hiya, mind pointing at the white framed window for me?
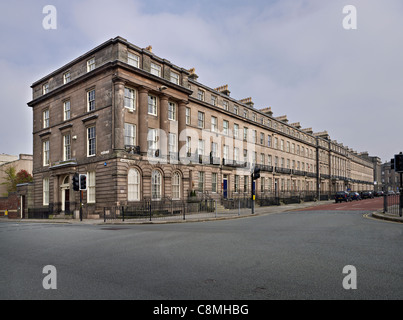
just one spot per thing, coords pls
(225, 127)
(176, 186)
(45, 152)
(130, 99)
(188, 116)
(156, 179)
(214, 180)
(225, 105)
(236, 154)
(236, 130)
(46, 118)
(226, 152)
(245, 134)
(213, 100)
(130, 134)
(188, 145)
(91, 100)
(133, 185)
(45, 88)
(152, 105)
(245, 183)
(214, 149)
(91, 187)
(66, 110)
(236, 183)
(152, 138)
(171, 111)
(90, 64)
(174, 77)
(66, 147)
(236, 110)
(66, 77)
(45, 192)
(200, 148)
(91, 141)
(200, 95)
(201, 181)
(172, 143)
(133, 59)
(155, 69)
(200, 119)
(213, 124)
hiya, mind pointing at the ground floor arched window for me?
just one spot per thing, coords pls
(156, 179)
(176, 186)
(133, 185)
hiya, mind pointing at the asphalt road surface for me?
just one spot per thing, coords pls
(292, 255)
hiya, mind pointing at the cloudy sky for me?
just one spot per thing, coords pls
(292, 55)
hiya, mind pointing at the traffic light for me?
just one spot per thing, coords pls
(399, 162)
(76, 179)
(83, 182)
(392, 164)
(256, 173)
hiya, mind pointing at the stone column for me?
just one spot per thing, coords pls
(181, 123)
(164, 125)
(143, 120)
(164, 122)
(119, 115)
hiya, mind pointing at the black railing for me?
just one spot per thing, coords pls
(162, 209)
(392, 204)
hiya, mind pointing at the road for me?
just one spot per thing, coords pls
(291, 255)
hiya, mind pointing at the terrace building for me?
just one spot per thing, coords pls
(141, 127)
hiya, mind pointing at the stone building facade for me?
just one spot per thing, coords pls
(141, 127)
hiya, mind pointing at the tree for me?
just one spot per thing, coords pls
(12, 178)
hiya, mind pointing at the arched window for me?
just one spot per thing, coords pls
(176, 186)
(133, 185)
(156, 185)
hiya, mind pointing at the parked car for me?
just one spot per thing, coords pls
(367, 195)
(355, 196)
(391, 193)
(342, 196)
(379, 194)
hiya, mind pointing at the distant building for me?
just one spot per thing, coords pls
(142, 128)
(14, 203)
(390, 178)
(21, 162)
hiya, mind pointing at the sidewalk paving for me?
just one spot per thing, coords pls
(200, 217)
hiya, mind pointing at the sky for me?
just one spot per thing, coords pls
(297, 56)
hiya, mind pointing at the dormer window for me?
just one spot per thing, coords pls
(155, 69)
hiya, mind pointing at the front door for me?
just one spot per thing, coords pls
(225, 186)
(67, 201)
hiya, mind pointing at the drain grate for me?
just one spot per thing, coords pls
(114, 228)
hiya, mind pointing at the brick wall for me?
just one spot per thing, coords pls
(11, 203)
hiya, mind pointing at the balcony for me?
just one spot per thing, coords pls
(264, 167)
(132, 149)
(282, 170)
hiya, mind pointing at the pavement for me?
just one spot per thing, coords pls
(200, 217)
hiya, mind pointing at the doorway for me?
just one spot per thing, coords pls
(65, 191)
(225, 186)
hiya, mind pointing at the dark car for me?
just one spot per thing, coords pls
(367, 195)
(342, 196)
(355, 196)
(379, 194)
